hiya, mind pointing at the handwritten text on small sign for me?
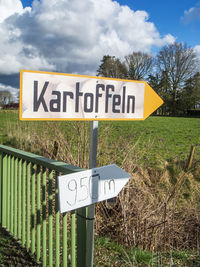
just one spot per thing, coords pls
(88, 187)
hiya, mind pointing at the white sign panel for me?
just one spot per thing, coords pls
(63, 96)
(88, 187)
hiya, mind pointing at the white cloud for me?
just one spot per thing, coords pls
(72, 36)
(197, 50)
(10, 7)
(14, 91)
(190, 15)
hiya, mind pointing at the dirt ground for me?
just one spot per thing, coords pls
(11, 253)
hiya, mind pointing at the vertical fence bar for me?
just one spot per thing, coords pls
(44, 230)
(33, 210)
(73, 239)
(19, 213)
(12, 195)
(28, 206)
(1, 178)
(8, 192)
(4, 190)
(20, 198)
(50, 219)
(38, 213)
(57, 223)
(23, 203)
(15, 195)
(64, 239)
(81, 237)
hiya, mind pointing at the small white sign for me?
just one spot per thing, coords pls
(88, 187)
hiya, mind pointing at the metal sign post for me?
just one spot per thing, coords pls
(91, 208)
(58, 96)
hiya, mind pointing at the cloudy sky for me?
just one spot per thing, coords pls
(72, 36)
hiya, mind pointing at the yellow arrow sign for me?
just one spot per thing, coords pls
(58, 96)
(152, 101)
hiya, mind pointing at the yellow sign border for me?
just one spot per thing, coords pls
(146, 95)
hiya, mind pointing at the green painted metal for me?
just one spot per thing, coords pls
(11, 194)
(4, 190)
(73, 239)
(50, 219)
(44, 223)
(8, 192)
(1, 178)
(42, 161)
(24, 203)
(15, 195)
(19, 202)
(57, 224)
(81, 237)
(38, 214)
(33, 209)
(29, 208)
(64, 241)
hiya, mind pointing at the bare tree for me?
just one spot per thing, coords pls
(180, 63)
(5, 97)
(139, 65)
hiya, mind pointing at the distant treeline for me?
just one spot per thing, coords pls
(174, 73)
(11, 106)
(193, 113)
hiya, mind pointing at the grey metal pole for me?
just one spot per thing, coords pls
(91, 208)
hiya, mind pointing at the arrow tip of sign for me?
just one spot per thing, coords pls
(152, 101)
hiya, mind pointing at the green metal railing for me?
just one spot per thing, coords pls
(29, 208)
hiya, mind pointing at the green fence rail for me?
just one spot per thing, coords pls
(29, 209)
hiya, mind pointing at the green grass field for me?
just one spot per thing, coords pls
(159, 137)
(155, 139)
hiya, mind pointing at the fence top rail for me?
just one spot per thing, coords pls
(58, 166)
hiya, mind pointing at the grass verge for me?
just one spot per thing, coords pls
(106, 254)
(11, 253)
(110, 254)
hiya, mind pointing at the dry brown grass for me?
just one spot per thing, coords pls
(154, 214)
(157, 210)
